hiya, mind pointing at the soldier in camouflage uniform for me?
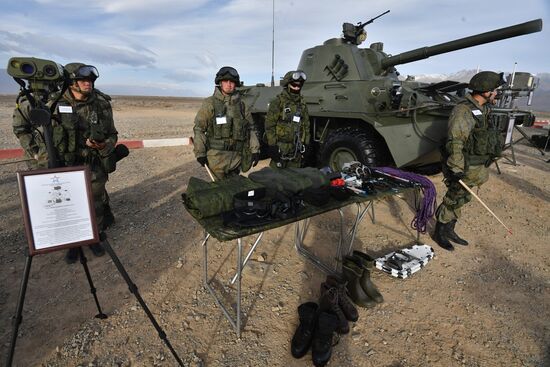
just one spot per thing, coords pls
(287, 126)
(225, 137)
(85, 134)
(472, 145)
(30, 137)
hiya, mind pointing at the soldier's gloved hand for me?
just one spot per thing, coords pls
(273, 152)
(255, 159)
(202, 161)
(456, 176)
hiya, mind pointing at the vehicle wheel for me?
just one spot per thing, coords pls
(349, 144)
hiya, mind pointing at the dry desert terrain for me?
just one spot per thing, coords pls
(487, 304)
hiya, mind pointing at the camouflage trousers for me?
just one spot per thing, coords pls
(99, 193)
(457, 196)
(223, 163)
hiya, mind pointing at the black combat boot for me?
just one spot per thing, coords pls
(364, 262)
(108, 216)
(352, 274)
(301, 341)
(321, 346)
(345, 304)
(328, 302)
(97, 249)
(451, 234)
(72, 255)
(440, 236)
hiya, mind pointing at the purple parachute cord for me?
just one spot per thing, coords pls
(427, 207)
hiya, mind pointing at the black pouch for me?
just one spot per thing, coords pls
(316, 196)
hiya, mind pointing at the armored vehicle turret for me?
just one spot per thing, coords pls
(360, 110)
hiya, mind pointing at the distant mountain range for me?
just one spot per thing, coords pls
(541, 99)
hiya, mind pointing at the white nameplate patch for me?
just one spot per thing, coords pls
(221, 120)
(477, 112)
(65, 109)
(296, 119)
(251, 193)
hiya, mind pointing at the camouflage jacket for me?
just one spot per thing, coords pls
(224, 123)
(287, 119)
(77, 121)
(30, 137)
(464, 118)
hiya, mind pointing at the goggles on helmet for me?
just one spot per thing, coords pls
(228, 70)
(86, 72)
(298, 76)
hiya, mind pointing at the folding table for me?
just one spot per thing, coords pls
(214, 227)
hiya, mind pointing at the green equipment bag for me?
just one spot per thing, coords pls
(291, 180)
(205, 199)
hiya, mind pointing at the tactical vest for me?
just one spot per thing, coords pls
(65, 133)
(290, 129)
(485, 141)
(71, 131)
(228, 128)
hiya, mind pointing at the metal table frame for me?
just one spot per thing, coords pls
(300, 232)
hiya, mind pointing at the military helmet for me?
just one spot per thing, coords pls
(294, 76)
(486, 81)
(227, 73)
(79, 71)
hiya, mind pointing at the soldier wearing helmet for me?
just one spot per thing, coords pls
(472, 145)
(225, 137)
(287, 128)
(85, 134)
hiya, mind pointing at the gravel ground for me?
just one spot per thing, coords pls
(487, 304)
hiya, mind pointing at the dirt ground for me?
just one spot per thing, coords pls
(487, 304)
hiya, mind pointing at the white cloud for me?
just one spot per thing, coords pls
(189, 40)
(134, 7)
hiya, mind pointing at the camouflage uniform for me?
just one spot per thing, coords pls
(30, 137)
(77, 121)
(287, 128)
(466, 119)
(224, 133)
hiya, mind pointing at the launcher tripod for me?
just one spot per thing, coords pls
(17, 319)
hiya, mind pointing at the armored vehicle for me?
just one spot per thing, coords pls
(361, 111)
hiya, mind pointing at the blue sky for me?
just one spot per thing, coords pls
(175, 47)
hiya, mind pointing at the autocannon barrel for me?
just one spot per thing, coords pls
(478, 39)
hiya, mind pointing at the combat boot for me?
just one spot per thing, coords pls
(301, 341)
(440, 236)
(72, 255)
(451, 234)
(108, 216)
(328, 302)
(321, 346)
(97, 249)
(352, 274)
(345, 304)
(366, 260)
(365, 281)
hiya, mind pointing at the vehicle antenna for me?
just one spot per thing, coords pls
(273, 48)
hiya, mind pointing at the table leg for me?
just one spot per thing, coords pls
(258, 239)
(234, 321)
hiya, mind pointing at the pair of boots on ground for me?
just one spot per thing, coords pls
(445, 233)
(319, 322)
(360, 288)
(108, 220)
